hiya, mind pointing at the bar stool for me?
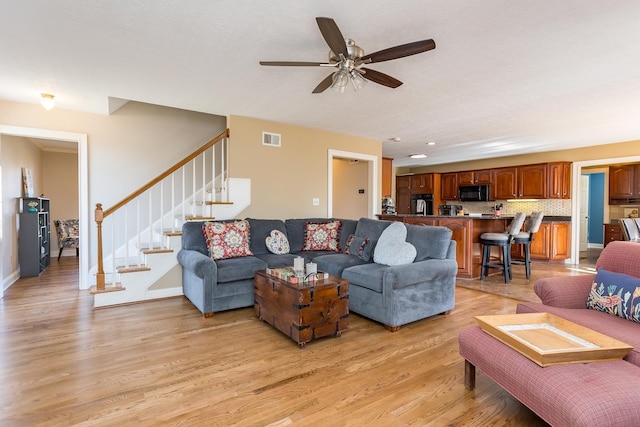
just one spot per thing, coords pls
(525, 238)
(504, 241)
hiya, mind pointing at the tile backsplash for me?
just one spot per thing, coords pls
(555, 207)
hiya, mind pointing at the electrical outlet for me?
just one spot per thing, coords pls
(316, 201)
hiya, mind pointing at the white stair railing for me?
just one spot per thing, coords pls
(154, 207)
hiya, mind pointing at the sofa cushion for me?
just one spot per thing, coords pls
(616, 294)
(227, 239)
(193, 238)
(277, 260)
(232, 269)
(277, 242)
(335, 263)
(322, 236)
(431, 242)
(369, 275)
(392, 249)
(260, 230)
(358, 246)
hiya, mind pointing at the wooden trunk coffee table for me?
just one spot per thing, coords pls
(303, 312)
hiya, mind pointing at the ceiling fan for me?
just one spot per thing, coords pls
(349, 59)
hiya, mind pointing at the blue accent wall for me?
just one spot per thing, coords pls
(596, 208)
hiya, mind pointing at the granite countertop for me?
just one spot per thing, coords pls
(549, 218)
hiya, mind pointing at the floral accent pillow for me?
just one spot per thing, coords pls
(322, 236)
(616, 294)
(358, 246)
(277, 242)
(227, 239)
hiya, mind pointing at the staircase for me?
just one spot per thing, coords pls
(139, 237)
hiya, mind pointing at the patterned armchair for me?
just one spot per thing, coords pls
(68, 234)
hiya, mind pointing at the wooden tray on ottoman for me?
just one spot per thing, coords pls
(303, 312)
(551, 340)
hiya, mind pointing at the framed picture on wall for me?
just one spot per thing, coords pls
(27, 183)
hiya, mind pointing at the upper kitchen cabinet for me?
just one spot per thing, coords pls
(522, 182)
(559, 180)
(449, 186)
(624, 184)
(387, 174)
(475, 177)
(422, 183)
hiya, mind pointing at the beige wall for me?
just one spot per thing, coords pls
(285, 180)
(60, 183)
(348, 178)
(606, 151)
(17, 153)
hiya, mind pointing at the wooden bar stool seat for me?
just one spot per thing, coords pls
(504, 241)
(525, 238)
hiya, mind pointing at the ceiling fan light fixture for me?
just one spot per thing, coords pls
(340, 80)
(357, 80)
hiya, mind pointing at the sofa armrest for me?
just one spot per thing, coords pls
(566, 291)
(198, 263)
(199, 279)
(430, 270)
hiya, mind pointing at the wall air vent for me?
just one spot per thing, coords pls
(271, 139)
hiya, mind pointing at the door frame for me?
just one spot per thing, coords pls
(576, 171)
(373, 179)
(83, 184)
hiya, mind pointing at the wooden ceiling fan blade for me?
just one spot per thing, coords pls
(332, 35)
(295, 64)
(400, 51)
(324, 84)
(380, 78)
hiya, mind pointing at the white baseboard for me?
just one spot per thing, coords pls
(10, 280)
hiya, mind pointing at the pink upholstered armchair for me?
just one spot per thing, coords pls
(68, 234)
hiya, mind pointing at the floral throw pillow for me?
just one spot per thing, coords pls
(616, 294)
(277, 242)
(227, 239)
(322, 236)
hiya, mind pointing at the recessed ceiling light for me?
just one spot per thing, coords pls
(418, 156)
(431, 143)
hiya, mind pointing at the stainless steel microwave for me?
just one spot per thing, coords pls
(474, 193)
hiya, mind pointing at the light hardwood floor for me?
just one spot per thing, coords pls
(64, 363)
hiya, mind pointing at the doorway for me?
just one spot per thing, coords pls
(371, 189)
(579, 168)
(83, 199)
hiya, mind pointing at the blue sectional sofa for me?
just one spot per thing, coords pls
(393, 295)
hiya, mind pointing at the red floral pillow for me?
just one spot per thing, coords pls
(322, 236)
(227, 239)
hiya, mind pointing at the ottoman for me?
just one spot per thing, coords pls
(578, 394)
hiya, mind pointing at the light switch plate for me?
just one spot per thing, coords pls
(316, 201)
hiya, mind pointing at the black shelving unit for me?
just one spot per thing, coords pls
(34, 249)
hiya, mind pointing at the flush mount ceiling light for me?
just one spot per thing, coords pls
(431, 143)
(395, 139)
(46, 100)
(418, 156)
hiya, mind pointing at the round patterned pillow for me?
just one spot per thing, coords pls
(277, 242)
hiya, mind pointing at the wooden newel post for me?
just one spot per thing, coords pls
(99, 216)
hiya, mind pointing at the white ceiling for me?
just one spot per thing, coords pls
(507, 76)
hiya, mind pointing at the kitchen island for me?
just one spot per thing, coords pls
(551, 242)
